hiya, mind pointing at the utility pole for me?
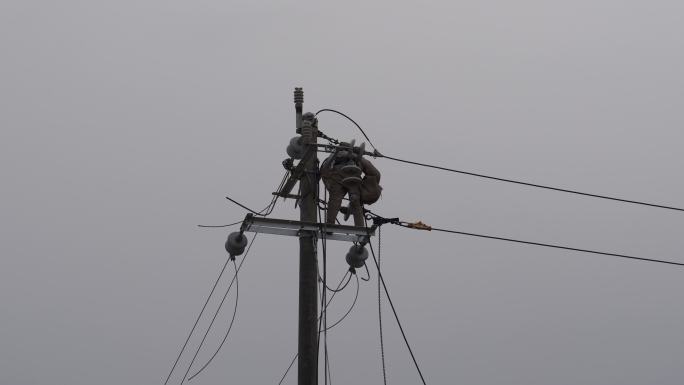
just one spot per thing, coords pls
(308, 265)
(303, 147)
(308, 229)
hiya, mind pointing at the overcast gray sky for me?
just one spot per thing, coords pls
(125, 123)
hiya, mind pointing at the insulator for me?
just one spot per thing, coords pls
(298, 95)
(236, 243)
(357, 255)
(296, 148)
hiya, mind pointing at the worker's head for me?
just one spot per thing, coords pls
(345, 153)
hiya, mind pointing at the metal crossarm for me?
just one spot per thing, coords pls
(295, 228)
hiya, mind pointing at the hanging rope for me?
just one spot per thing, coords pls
(396, 316)
(382, 344)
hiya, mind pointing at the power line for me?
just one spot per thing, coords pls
(389, 299)
(378, 155)
(260, 213)
(343, 286)
(219, 308)
(228, 225)
(194, 326)
(356, 297)
(230, 327)
(533, 184)
(554, 246)
(322, 310)
(288, 368)
(351, 120)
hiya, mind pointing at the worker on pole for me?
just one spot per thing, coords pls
(347, 173)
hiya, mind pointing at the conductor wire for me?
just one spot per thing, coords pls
(534, 184)
(389, 299)
(569, 191)
(351, 120)
(194, 326)
(219, 309)
(556, 246)
(225, 337)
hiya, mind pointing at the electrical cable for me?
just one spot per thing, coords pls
(389, 299)
(351, 120)
(199, 347)
(194, 326)
(356, 297)
(327, 364)
(324, 312)
(288, 368)
(367, 273)
(271, 205)
(324, 246)
(230, 327)
(378, 155)
(322, 309)
(228, 225)
(268, 209)
(557, 246)
(534, 184)
(342, 288)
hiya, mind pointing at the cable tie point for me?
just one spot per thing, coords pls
(419, 226)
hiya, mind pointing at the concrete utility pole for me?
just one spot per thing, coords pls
(308, 265)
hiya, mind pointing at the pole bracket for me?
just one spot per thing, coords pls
(288, 227)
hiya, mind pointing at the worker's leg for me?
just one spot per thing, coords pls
(337, 192)
(356, 208)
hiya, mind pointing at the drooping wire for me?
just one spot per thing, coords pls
(199, 347)
(230, 327)
(356, 297)
(194, 326)
(342, 288)
(557, 247)
(219, 308)
(382, 343)
(266, 211)
(533, 184)
(351, 120)
(228, 225)
(365, 265)
(389, 299)
(326, 306)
